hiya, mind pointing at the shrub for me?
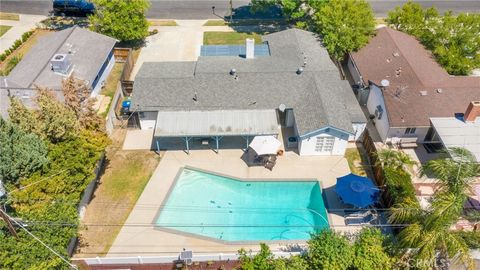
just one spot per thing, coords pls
(26, 35)
(399, 184)
(2, 57)
(17, 43)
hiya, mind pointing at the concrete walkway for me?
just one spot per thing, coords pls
(25, 24)
(175, 43)
(149, 240)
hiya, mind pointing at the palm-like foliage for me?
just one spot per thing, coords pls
(394, 159)
(455, 171)
(428, 231)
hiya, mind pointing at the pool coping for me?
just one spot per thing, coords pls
(241, 179)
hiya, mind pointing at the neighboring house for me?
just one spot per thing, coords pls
(88, 55)
(291, 84)
(403, 87)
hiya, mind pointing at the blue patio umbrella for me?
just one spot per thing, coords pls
(357, 190)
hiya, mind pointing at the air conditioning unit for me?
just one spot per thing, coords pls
(61, 63)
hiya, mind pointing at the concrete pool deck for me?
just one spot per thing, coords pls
(139, 237)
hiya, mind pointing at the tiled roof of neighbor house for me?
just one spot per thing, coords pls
(419, 87)
(318, 96)
(89, 52)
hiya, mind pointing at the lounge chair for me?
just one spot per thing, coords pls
(361, 218)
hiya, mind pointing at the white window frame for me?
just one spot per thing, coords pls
(324, 144)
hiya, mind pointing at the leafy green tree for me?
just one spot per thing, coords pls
(345, 25)
(121, 19)
(264, 260)
(21, 153)
(370, 252)
(453, 39)
(411, 18)
(76, 94)
(23, 117)
(57, 121)
(329, 250)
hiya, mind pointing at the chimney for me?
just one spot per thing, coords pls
(473, 111)
(250, 48)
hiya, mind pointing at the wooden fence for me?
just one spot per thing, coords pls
(378, 173)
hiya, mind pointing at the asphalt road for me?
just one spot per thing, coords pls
(202, 9)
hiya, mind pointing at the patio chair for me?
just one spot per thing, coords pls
(271, 161)
(361, 218)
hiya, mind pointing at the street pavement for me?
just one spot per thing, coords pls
(202, 9)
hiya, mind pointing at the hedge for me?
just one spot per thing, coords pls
(399, 184)
(15, 45)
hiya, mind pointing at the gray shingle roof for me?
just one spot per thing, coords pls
(90, 51)
(318, 96)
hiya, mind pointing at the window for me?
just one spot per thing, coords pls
(410, 131)
(324, 144)
(379, 112)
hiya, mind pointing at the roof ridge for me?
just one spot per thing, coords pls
(401, 51)
(71, 29)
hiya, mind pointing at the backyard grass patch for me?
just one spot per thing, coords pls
(126, 174)
(215, 23)
(162, 23)
(112, 80)
(229, 38)
(355, 161)
(9, 16)
(4, 29)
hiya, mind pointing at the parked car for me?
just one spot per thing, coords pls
(73, 6)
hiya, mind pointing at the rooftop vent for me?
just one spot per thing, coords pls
(423, 93)
(233, 72)
(61, 63)
(396, 54)
(300, 70)
(385, 82)
(439, 90)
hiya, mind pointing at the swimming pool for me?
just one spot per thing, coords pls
(227, 209)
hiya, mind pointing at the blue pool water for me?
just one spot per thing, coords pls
(230, 210)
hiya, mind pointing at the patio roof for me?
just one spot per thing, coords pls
(454, 132)
(216, 123)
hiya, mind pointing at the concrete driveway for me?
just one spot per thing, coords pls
(175, 43)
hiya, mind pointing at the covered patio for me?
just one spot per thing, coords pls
(212, 129)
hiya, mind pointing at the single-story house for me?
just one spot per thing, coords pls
(86, 54)
(292, 84)
(403, 88)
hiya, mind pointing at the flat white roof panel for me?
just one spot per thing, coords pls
(454, 132)
(216, 123)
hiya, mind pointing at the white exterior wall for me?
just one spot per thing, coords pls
(420, 133)
(103, 77)
(375, 98)
(147, 120)
(306, 145)
(359, 128)
(353, 71)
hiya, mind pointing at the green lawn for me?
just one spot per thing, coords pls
(162, 23)
(355, 161)
(4, 29)
(228, 38)
(9, 16)
(215, 23)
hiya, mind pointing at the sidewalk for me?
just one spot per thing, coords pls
(26, 23)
